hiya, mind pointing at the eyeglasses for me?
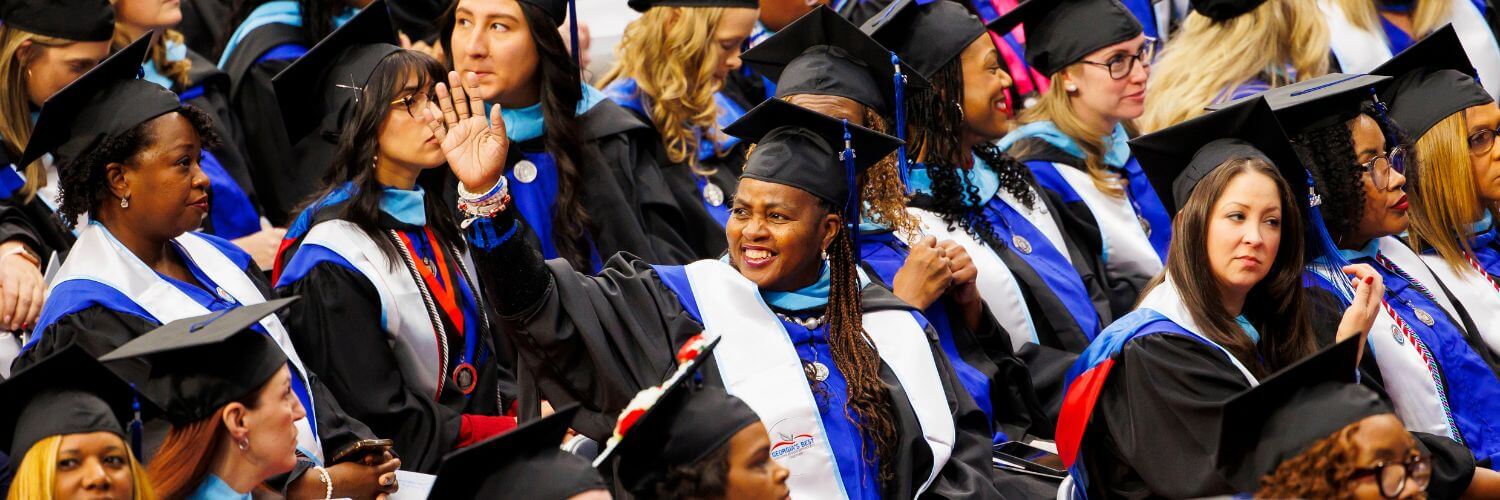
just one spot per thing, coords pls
(1121, 65)
(415, 103)
(1382, 165)
(1481, 141)
(1392, 477)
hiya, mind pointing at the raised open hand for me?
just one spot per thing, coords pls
(475, 146)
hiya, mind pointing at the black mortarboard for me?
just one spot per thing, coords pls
(1318, 103)
(525, 462)
(927, 34)
(1061, 32)
(1431, 80)
(202, 363)
(1278, 419)
(645, 5)
(76, 20)
(687, 421)
(68, 392)
(801, 148)
(1224, 10)
(555, 9)
(107, 101)
(1176, 158)
(823, 53)
(318, 89)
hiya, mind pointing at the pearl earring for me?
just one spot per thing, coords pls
(1072, 88)
(125, 201)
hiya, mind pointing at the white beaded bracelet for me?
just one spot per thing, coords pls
(478, 199)
(327, 482)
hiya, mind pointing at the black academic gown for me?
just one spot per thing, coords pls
(1452, 463)
(597, 340)
(624, 194)
(204, 25)
(99, 330)
(336, 329)
(281, 185)
(1080, 227)
(32, 221)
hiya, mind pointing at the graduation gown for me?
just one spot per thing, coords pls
(233, 212)
(1441, 379)
(370, 327)
(1031, 270)
(1357, 50)
(620, 184)
(30, 220)
(983, 360)
(268, 41)
(1134, 231)
(704, 215)
(99, 301)
(597, 340)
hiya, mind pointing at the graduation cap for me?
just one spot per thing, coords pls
(645, 5)
(1224, 10)
(202, 363)
(68, 392)
(805, 149)
(1431, 80)
(927, 34)
(107, 101)
(1176, 158)
(1278, 419)
(318, 89)
(525, 462)
(76, 20)
(673, 425)
(823, 53)
(1061, 32)
(1318, 103)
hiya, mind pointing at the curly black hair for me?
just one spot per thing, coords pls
(704, 480)
(935, 131)
(1329, 155)
(81, 181)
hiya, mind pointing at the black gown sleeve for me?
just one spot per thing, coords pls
(1155, 427)
(594, 340)
(968, 473)
(660, 217)
(279, 187)
(336, 330)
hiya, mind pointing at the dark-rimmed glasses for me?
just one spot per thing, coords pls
(1381, 166)
(1481, 141)
(1392, 477)
(1121, 65)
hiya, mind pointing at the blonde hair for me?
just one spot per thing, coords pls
(1285, 41)
(1056, 106)
(1428, 16)
(37, 474)
(177, 71)
(15, 106)
(1451, 199)
(670, 51)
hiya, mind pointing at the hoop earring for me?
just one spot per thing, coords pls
(960, 108)
(125, 201)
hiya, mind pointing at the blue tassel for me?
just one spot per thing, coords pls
(851, 204)
(901, 166)
(573, 28)
(136, 431)
(1331, 262)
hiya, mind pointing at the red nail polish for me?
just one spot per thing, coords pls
(1369, 280)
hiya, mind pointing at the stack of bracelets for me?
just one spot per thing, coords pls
(486, 205)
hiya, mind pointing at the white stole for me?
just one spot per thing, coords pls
(1404, 372)
(1359, 51)
(99, 257)
(403, 312)
(1127, 249)
(759, 364)
(997, 285)
(1477, 295)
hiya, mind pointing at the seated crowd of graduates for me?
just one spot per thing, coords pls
(781, 248)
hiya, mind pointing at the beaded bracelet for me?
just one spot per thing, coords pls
(494, 191)
(474, 212)
(327, 482)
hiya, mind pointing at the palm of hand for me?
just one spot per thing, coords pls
(473, 149)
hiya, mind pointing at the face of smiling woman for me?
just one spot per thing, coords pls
(777, 234)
